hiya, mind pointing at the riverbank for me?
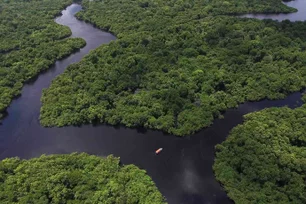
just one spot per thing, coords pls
(179, 79)
(182, 172)
(75, 178)
(31, 45)
(297, 16)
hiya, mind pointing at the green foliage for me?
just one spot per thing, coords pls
(75, 178)
(264, 159)
(176, 65)
(30, 41)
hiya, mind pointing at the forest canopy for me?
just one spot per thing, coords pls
(30, 42)
(264, 159)
(75, 178)
(177, 65)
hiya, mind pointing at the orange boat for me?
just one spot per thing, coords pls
(158, 151)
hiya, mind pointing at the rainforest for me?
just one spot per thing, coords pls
(30, 42)
(75, 178)
(177, 65)
(264, 159)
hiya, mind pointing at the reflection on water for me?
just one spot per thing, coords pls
(298, 16)
(182, 172)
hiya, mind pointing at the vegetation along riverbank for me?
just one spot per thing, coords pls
(30, 42)
(264, 159)
(75, 178)
(177, 65)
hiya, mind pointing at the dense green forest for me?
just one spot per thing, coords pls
(30, 41)
(75, 178)
(264, 159)
(176, 65)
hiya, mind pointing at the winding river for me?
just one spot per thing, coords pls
(182, 172)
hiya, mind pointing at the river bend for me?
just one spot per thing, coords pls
(182, 172)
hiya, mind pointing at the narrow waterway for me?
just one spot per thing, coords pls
(298, 16)
(182, 172)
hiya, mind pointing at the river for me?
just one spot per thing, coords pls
(298, 16)
(182, 172)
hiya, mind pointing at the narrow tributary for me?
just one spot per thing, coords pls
(182, 172)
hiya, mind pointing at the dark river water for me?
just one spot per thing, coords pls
(182, 172)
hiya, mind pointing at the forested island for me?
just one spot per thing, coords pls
(264, 159)
(30, 42)
(75, 178)
(177, 65)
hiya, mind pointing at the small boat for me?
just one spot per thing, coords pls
(158, 151)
